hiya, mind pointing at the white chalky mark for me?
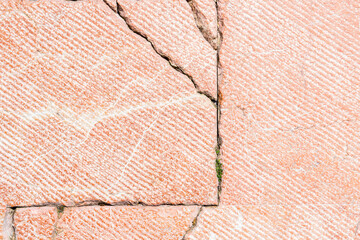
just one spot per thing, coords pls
(239, 222)
(213, 236)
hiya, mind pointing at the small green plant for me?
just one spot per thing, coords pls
(217, 150)
(219, 169)
(218, 164)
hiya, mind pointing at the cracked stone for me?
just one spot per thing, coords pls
(125, 222)
(112, 4)
(90, 112)
(170, 26)
(206, 19)
(277, 222)
(35, 223)
(289, 120)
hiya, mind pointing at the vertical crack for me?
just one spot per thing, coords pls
(193, 225)
(218, 163)
(9, 230)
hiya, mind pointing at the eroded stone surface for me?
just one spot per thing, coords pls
(91, 113)
(206, 19)
(278, 222)
(171, 27)
(35, 223)
(123, 222)
(290, 102)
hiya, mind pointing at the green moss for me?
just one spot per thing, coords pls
(218, 164)
(219, 169)
(60, 210)
(217, 150)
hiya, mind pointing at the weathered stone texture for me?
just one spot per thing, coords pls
(124, 222)
(289, 123)
(290, 102)
(35, 223)
(90, 112)
(171, 27)
(308, 221)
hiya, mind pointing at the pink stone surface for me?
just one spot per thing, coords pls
(290, 102)
(2, 218)
(35, 223)
(112, 4)
(206, 19)
(108, 101)
(124, 222)
(318, 221)
(90, 112)
(171, 27)
(289, 123)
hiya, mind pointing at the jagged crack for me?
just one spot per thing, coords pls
(193, 225)
(203, 27)
(120, 12)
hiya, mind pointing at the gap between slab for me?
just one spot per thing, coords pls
(9, 229)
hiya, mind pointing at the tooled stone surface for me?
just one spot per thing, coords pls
(206, 19)
(170, 26)
(290, 104)
(329, 221)
(289, 123)
(35, 223)
(90, 112)
(125, 222)
(2, 219)
(112, 4)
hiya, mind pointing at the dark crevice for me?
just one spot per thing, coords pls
(108, 4)
(202, 26)
(218, 163)
(193, 225)
(120, 12)
(102, 203)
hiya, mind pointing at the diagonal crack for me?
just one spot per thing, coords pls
(119, 11)
(193, 225)
(218, 164)
(202, 26)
